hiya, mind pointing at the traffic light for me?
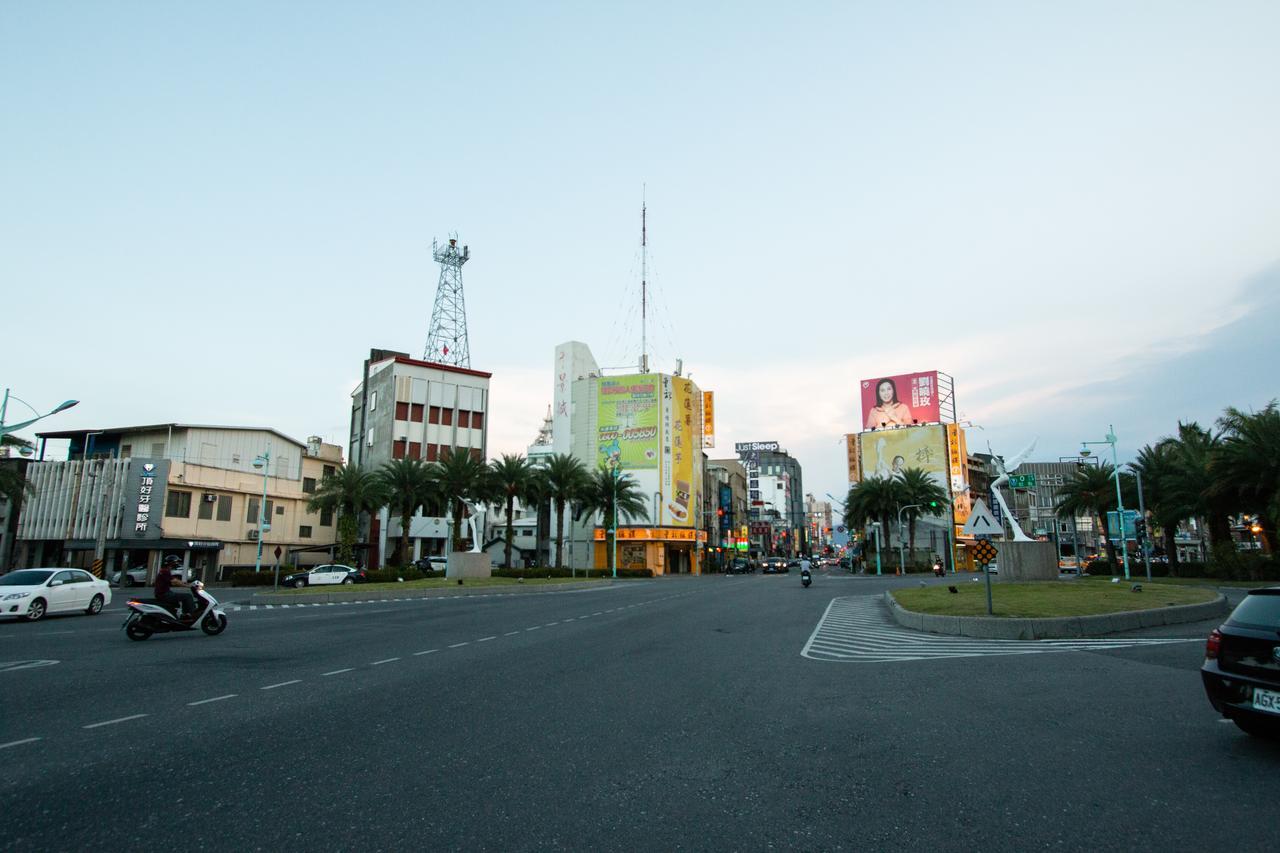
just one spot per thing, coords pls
(933, 504)
(1140, 528)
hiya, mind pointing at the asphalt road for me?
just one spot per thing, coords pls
(652, 715)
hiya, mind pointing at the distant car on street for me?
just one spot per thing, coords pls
(32, 593)
(775, 566)
(432, 564)
(325, 575)
(137, 576)
(738, 566)
(1241, 670)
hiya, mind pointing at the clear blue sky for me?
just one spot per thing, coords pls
(211, 211)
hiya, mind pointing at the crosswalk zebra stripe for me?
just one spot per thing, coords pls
(858, 629)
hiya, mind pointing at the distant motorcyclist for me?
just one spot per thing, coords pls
(179, 600)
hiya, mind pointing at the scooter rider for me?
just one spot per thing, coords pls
(179, 600)
(804, 564)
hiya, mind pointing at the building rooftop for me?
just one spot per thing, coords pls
(82, 433)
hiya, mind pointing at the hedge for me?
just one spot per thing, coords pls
(531, 574)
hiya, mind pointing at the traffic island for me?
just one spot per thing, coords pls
(1049, 610)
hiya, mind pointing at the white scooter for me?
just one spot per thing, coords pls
(150, 617)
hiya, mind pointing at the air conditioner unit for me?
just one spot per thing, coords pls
(211, 499)
(253, 534)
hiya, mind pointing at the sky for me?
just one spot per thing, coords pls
(210, 212)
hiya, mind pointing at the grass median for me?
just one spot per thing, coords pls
(427, 583)
(1046, 599)
(1140, 577)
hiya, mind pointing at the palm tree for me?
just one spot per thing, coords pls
(348, 492)
(512, 476)
(1248, 465)
(1156, 465)
(564, 478)
(1193, 484)
(1092, 492)
(873, 499)
(918, 487)
(460, 476)
(539, 499)
(408, 485)
(600, 494)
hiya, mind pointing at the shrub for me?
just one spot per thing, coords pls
(248, 577)
(394, 575)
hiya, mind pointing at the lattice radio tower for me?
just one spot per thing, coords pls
(447, 337)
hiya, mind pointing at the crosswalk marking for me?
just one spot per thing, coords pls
(859, 629)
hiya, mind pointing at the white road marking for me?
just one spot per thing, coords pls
(597, 613)
(113, 722)
(858, 629)
(281, 684)
(214, 699)
(427, 652)
(381, 662)
(534, 628)
(460, 645)
(18, 742)
(485, 639)
(340, 671)
(511, 633)
(549, 624)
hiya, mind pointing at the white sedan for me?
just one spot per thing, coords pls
(31, 593)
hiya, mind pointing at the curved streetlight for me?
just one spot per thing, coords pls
(4, 408)
(263, 462)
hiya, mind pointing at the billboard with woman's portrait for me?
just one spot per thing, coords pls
(904, 400)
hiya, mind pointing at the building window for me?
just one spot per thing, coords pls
(279, 509)
(397, 448)
(304, 531)
(308, 485)
(464, 419)
(402, 411)
(432, 453)
(415, 450)
(433, 415)
(205, 513)
(369, 437)
(224, 507)
(178, 505)
(330, 470)
(477, 420)
(157, 450)
(126, 451)
(326, 518)
(373, 400)
(251, 514)
(446, 417)
(415, 412)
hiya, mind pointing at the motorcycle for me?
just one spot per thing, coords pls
(150, 617)
(805, 577)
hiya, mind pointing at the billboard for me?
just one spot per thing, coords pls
(708, 419)
(888, 452)
(682, 492)
(628, 411)
(958, 469)
(851, 456)
(903, 400)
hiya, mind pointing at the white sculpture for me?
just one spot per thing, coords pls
(1003, 479)
(473, 520)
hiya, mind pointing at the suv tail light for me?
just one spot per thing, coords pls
(1212, 645)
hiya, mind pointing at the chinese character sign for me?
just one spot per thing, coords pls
(887, 453)
(628, 411)
(145, 493)
(905, 400)
(708, 419)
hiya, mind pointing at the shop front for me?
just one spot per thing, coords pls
(664, 550)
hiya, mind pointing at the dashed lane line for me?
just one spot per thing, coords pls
(113, 722)
(340, 671)
(511, 633)
(460, 645)
(426, 652)
(486, 639)
(213, 699)
(19, 742)
(385, 660)
(281, 684)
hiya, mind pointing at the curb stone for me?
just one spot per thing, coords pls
(1053, 628)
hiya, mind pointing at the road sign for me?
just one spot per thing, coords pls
(984, 552)
(1022, 481)
(981, 522)
(278, 552)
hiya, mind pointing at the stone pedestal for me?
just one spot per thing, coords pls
(465, 564)
(1027, 561)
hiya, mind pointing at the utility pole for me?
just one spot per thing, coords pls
(104, 518)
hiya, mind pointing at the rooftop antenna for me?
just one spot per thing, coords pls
(447, 336)
(644, 281)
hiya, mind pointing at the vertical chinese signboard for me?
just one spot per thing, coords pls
(958, 471)
(144, 493)
(851, 457)
(708, 419)
(681, 494)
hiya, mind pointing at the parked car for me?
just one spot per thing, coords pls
(738, 566)
(325, 575)
(432, 564)
(137, 576)
(31, 593)
(1241, 670)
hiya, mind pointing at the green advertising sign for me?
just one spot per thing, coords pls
(1022, 481)
(628, 410)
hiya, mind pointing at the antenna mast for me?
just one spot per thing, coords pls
(644, 283)
(447, 336)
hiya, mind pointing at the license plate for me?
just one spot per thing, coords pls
(1266, 700)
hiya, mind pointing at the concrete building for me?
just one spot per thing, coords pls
(1036, 508)
(405, 408)
(729, 505)
(775, 488)
(144, 492)
(652, 430)
(819, 521)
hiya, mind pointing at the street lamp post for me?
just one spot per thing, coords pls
(614, 536)
(1110, 439)
(263, 462)
(879, 544)
(902, 569)
(4, 410)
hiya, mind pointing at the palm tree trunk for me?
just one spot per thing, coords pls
(1171, 549)
(457, 524)
(510, 531)
(1106, 539)
(559, 533)
(404, 538)
(911, 539)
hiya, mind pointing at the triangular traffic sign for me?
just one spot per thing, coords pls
(981, 522)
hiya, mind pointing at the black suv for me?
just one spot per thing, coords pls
(1241, 670)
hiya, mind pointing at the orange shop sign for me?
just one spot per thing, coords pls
(654, 534)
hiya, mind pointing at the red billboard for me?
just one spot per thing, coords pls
(905, 400)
